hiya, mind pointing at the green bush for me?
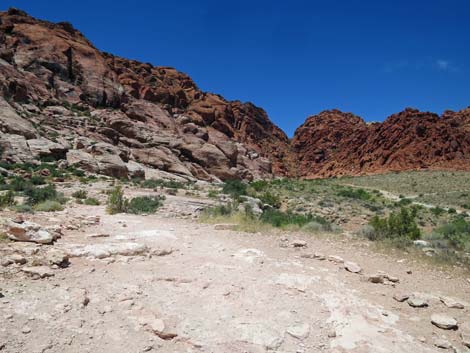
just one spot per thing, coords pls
(155, 183)
(281, 219)
(213, 194)
(37, 180)
(437, 211)
(7, 199)
(144, 204)
(117, 203)
(270, 199)
(235, 188)
(455, 233)
(220, 210)
(259, 185)
(24, 208)
(358, 194)
(80, 194)
(40, 194)
(91, 201)
(398, 225)
(19, 184)
(48, 206)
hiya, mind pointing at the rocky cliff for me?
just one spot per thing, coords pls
(62, 98)
(334, 143)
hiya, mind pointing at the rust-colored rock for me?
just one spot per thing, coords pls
(333, 143)
(53, 77)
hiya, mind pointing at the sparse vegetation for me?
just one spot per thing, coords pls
(48, 206)
(400, 225)
(117, 203)
(7, 199)
(91, 201)
(144, 204)
(80, 194)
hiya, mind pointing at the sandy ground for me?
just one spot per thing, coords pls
(182, 286)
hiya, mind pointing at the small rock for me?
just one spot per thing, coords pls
(57, 257)
(401, 297)
(377, 278)
(444, 322)
(465, 338)
(442, 343)
(299, 331)
(26, 330)
(18, 259)
(298, 243)
(421, 243)
(332, 333)
(38, 271)
(29, 232)
(417, 302)
(352, 267)
(336, 259)
(98, 235)
(452, 303)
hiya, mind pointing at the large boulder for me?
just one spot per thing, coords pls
(42, 147)
(12, 123)
(28, 232)
(14, 149)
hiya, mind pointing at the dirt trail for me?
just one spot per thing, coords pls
(161, 283)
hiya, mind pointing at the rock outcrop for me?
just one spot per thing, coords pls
(334, 143)
(61, 97)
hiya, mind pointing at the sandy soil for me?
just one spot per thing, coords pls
(166, 283)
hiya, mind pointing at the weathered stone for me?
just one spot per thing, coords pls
(352, 267)
(417, 302)
(401, 297)
(297, 243)
(29, 232)
(452, 303)
(299, 330)
(336, 259)
(37, 272)
(444, 322)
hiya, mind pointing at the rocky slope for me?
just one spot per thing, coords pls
(334, 143)
(62, 97)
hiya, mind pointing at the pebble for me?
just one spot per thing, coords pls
(442, 343)
(352, 267)
(401, 297)
(26, 330)
(416, 302)
(336, 259)
(444, 322)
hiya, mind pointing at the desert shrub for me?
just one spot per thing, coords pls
(155, 183)
(235, 188)
(80, 194)
(220, 210)
(404, 202)
(358, 194)
(437, 211)
(117, 203)
(319, 226)
(37, 180)
(270, 199)
(144, 204)
(48, 206)
(91, 201)
(259, 185)
(455, 233)
(24, 208)
(40, 194)
(7, 199)
(452, 211)
(397, 225)
(19, 184)
(213, 194)
(281, 219)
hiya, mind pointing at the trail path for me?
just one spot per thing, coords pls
(166, 284)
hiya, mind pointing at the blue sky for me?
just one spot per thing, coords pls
(293, 58)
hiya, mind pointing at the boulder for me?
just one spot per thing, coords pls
(28, 232)
(42, 147)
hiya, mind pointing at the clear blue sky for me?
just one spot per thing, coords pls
(293, 58)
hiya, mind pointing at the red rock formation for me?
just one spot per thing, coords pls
(136, 107)
(335, 143)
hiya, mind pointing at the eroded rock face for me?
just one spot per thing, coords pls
(53, 78)
(334, 143)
